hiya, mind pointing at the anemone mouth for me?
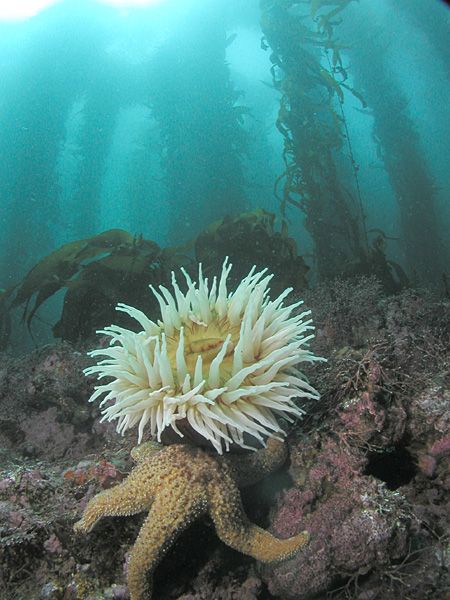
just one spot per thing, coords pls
(218, 366)
(205, 341)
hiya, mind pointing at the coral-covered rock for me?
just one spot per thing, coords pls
(428, 431)
(44, 409)
(355, 523)
(368, 476)
(213, 581)
(371, 469)
(429, 427)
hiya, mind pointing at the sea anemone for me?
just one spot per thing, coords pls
(222, 364)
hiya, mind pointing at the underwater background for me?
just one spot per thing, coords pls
(308, 137)
(161, 119)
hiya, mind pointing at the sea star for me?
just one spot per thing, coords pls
(178, 484)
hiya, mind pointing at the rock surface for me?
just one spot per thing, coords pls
(368, 475)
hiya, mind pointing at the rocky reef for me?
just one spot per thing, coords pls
(368, 475)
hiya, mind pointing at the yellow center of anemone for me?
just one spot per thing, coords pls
(205, 341)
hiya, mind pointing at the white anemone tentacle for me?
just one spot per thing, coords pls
(224, 363)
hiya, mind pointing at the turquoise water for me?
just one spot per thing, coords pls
(278, 170)
(162, 119)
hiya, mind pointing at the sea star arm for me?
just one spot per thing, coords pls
(252, 467)
(173, 510)
(145, 451)
(127, 498)
(234, 528)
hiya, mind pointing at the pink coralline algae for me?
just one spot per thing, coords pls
(43, 396)
(368, 475)
(104, 472)
(429, 427)
(53, 545)
(214, 582)
(358, 493)
(441, 447)
(355, 523)
(6, 484)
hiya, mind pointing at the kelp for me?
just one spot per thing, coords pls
(250, 239)
(54, 271)
(389, 273)
(400, 150)
(122, 276)
(201, 119)
(312, 122)
(5, 320)
(97, 273)
(324, 20)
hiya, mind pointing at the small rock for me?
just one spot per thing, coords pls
(51, 591)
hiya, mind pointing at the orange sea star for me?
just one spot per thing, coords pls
(180, 483)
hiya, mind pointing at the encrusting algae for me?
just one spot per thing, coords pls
(177, 485)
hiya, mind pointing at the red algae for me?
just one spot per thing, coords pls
(368, 478)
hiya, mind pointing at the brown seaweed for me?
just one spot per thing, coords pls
(54, 271)
(250, 239)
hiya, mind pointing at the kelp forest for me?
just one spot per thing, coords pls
(224, 299)
(287, 134)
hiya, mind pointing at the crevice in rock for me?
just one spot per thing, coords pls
(395, 466)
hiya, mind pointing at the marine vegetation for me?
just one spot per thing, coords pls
(5, 320)
(117, 266)
(399, 149)
(312, 122)
(57, 269)
(177, 485)
(250, 238)
(375, 263)
(96, 273)
(201, 120)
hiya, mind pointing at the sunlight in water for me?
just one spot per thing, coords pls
(22, 9)
(132, 2)
(11, 10)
